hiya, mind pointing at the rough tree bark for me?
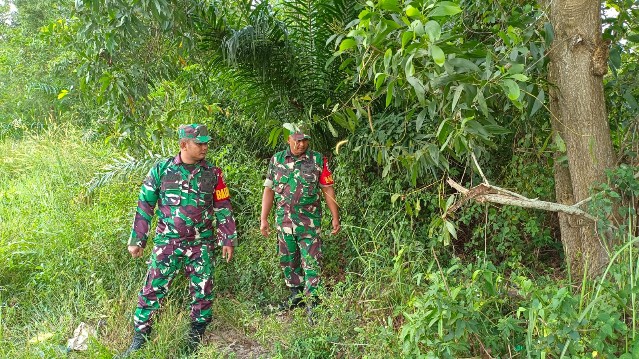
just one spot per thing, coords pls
(578, 60)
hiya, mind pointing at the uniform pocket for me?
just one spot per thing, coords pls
(207, 182)
(171, 191)
(310, 175)
(207, 187)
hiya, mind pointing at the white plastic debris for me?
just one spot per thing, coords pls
(81, 337)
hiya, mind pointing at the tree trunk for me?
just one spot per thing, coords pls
(578, 60)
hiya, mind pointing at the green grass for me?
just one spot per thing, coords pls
(64, 261)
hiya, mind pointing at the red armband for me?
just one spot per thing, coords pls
(326, 178)
(221, 191)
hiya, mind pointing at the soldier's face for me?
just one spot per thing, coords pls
(192, 152)
(297, 147)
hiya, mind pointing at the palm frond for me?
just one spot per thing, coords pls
(123, 167)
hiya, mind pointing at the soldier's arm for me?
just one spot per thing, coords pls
(267, 203)
(268, 196)
(147, 199)
(226, 229)
(326, 184)
(331, 202)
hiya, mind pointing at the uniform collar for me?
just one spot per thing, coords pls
(177, 160)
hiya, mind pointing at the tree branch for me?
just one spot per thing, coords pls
(488, 193)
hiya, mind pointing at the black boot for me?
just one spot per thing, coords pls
(195, 337)
(294, 300)
(139, 340)
(310, 306)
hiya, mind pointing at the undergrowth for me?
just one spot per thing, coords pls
(391, 290)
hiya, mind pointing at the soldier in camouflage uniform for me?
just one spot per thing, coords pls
(294, 179)
(192, 200)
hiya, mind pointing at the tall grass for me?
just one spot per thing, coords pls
(60, 250)
(390, 291)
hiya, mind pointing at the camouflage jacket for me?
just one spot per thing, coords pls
(296, 183)
(189, 202)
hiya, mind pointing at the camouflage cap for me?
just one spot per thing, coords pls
(300, 135)
(194, 131)
(297, 132)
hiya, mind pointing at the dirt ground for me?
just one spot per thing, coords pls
(235, 344)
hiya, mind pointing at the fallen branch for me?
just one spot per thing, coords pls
(488, 193)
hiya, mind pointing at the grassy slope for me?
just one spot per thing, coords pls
(64, 262)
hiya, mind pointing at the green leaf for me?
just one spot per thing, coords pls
(434, 153)
(445, 8)
(559, 142)
(464, 64)
(539, 101)
(407, 36)
(433, 29)
(451, 229)
(516, 68)
(345, 64)
(275, 133)
(380, 77)
(347, 44)
(511, 89)
(391, 5)
(391, 25)
(394, 197)
(340, 120)
(519, 77)
(417, 27)
(444, 134)
(388, 55)
(475, 128)
(420, 119)
(458, 92)
(412, 11)
(437, 54)
(364, 14)
(331, 128)
(386, 170)
(549, 34)
(496, 129)
(481, 100)
(630, 99)
(105, 81)
(615, 57)
(418, 86)
(409, 208)
(389, 93)
(351, 118)
(409, 68)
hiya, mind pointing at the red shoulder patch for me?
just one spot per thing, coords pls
(326, 178)
(221, 191)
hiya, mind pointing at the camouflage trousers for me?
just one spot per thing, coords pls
(300, 260)
(164, 264)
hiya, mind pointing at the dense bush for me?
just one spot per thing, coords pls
(399, 281)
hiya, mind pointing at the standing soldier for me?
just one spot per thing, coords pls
(192, 197)
(294, 180)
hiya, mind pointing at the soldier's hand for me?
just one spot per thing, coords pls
(336, 226)
(264, 228)
(136, 252)
(227, 253)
